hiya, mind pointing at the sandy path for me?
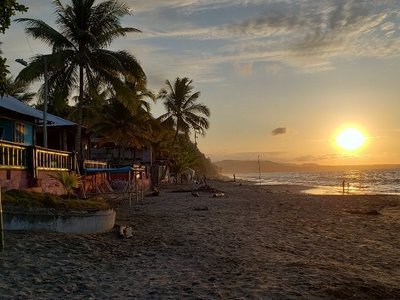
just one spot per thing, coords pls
(255, 243)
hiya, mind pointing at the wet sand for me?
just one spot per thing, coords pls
(256, 242)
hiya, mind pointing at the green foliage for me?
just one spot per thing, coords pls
(8, 8)
(80, 57)
(21, 198)
(3, 75)
(124, 127)
(184, 155)
(69, 181)
(187, 155)
(182, 108)
(204, 166)
(17, 89)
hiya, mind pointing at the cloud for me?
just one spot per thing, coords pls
(198, 38)
(274, 68)
(190, 6)
(279, 131)
(308, 35)
(244, 69)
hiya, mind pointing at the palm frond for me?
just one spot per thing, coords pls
(38, 29)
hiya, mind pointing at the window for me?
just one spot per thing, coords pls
(2, 129)
(19, 132)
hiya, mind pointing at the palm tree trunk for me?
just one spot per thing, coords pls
(78, 138)
(176, 135)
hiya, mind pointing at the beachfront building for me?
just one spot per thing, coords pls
(24, 162)
(120, 156)
(23, 124)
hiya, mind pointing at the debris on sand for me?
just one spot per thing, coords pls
(200, 208)
(218, 195)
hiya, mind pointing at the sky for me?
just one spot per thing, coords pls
(281, 77)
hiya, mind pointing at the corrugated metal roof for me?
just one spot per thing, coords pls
(57, 121)
(17, 106)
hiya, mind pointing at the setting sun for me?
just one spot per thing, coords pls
(350, 139)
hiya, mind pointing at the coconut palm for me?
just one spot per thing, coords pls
(18, 90)
(120, 126)
(3, 74)
(182, 109)
(79, 55)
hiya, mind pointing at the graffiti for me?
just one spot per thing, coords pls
(119, 184)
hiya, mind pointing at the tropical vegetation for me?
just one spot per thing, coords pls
(8, 8)
(80, 58)
(182, 108)
(69, 181)
(109, 88)
(18, 89)
(26, 199)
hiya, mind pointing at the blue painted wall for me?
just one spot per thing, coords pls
(8, 126)
(28, 134)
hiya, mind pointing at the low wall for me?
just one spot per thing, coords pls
(48, 220)
(13, 179)
(48, 183)
(19, 179)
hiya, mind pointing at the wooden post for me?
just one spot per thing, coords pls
(129, 188)
(136, 188)
(259, 169)
(1, 225)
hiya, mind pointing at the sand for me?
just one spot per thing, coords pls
(253, 243)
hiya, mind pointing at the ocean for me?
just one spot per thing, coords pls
(364, 182)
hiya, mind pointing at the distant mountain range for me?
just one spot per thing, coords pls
(252, 166)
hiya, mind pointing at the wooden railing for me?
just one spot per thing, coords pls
(54, 160)
(13, 156)
(32, 158)
(94, 164)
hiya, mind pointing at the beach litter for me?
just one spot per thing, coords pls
(125, 232)
(218, 195)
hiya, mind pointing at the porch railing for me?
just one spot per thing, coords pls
(18, 156)
(54, 160)
(94, 164)
(13, 156)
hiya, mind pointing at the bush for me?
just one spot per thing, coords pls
(69, 181)
(21, 198)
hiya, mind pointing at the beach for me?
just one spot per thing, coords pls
(255, 242)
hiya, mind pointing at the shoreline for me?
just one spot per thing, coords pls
(309, 189)
(255, 242)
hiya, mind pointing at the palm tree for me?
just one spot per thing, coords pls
(79, 55)
(117, 124)
(182, 109)
(18, 90)
(3, 74)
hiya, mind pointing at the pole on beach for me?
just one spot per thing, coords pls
(259, 169)
(1, 225)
